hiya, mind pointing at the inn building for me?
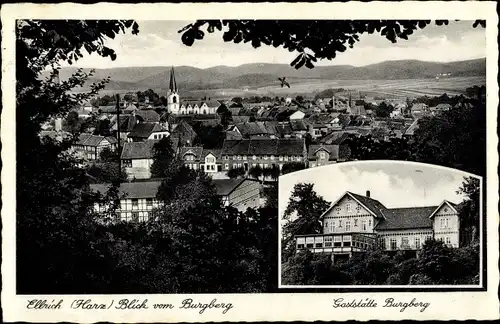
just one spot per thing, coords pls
(355, 223)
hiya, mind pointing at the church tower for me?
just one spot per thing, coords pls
(173, 104)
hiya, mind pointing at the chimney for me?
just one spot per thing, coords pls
(368, 193)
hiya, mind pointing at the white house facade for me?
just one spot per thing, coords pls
(355, 223)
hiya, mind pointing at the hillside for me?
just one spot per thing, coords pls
(264, 74)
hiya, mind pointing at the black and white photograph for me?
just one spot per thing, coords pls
(155, 157)
(380, 223)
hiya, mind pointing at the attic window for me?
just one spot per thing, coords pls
(445, 209)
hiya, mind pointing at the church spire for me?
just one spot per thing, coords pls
(173, 84)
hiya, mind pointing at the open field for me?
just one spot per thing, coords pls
(410, 88)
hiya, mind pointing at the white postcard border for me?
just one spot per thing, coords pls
(250, 307)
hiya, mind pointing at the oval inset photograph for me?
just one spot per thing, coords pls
(380, 223)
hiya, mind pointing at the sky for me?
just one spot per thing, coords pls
(394, 184)
(159, 44)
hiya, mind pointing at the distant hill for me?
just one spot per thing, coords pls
(264, 74)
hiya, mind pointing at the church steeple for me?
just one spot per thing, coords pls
(173, 84)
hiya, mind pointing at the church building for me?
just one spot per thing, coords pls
(176, 107)
(355, 223)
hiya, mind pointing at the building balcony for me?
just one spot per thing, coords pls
(338, 243)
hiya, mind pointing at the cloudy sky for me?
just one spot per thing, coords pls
(394, 184)
(159, 44)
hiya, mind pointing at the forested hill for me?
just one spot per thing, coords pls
(260, 74)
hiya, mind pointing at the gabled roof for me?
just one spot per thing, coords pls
(194, 150)
(241, 119)
(131, 190)
(224, 187)
(373, 205)
(445, 202)
(94, 140)
(335, 137)
(405, 218)
(214, 152)
(263, 146)
(138, 150)
(332, 150)
(148, 115)
(144, 130)
(298, 125)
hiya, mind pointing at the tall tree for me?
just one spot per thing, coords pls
(57, 234)
(302, 215)
(163, 158)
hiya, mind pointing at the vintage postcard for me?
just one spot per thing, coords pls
(249, 162)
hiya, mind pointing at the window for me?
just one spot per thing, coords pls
(149, 202)
(442, 222)
(370, 222)
(404, 242)
(265, 157)
(446, 222)
(394, 245)
(239, 157)
(417, 242)
(332, 226)
(326, 226)
(285, 158)
(281, 158)
(347, 226)
(127, 163)
(328, 241)
(363, 225)
(235, 165)
(348, 207)
(319, 245)
(226, 157)
(309, 245)
(135, 217)
(244, 157)
(340, 223)
(347, 244)
(300, 246)
(448, 240)
(272, 157)
(254, 157)
(358, 209)
(226, 166)
(135, 203)
(322, 155)
(234, 157)
(355, 222)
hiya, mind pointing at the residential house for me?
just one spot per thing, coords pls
(266, 153)
(299, 128)
(255, 129)
(138, 203)
(90, 147)
(185, 133)
(211, 161)
(320, 155)
(191, 156)
(137, 158)
(148, 115)
(440, 108)
(419, 110)
(240, 193)
(147, 131)
(297, 115)
(354, 223)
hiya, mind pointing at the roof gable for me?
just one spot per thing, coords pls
(447, 203)
(371, 205)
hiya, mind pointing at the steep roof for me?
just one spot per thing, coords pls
(197, 151)
(241, 119)
(333, 151)
(335, 137)
(263, 146)
(224, 187)
(144, 130)
(138, 150)
(148, 115)
(214, 152)
(94, 140)
(298, 125)
(405, 218)
(131, 190)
